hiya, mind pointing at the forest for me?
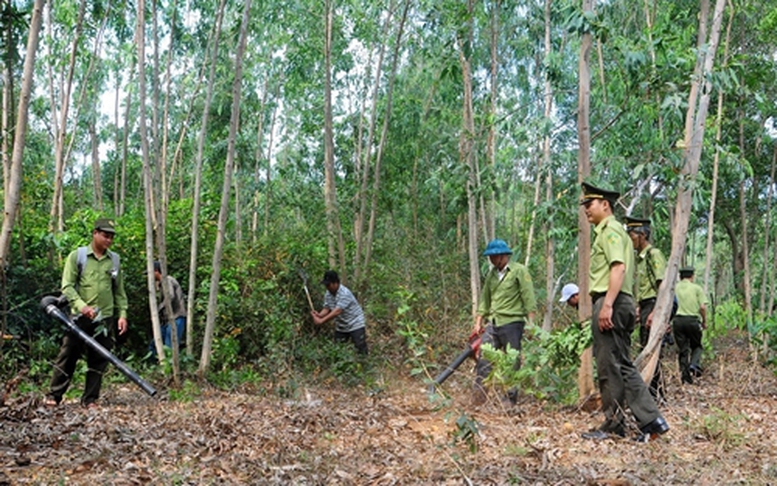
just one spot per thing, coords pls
(251, 146)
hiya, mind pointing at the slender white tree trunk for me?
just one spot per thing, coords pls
(218, 251)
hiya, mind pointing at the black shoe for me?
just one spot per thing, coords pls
(652, 430)
(687, 378)
(695, 370)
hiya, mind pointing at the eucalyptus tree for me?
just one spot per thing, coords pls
(148, 187)
(15, 173)
(696, 121)
(223, 211)
(211, 58)
(12, 23)
(61, 107)
(585, 378)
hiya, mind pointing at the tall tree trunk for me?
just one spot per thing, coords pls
(716, 163)
(56, 217)
(125, 146)
(366, 151)
(117, 140)
(468, 159)
(746, 285)
(489, 216)
(268, 179)
(335, 242)
(218, 251)
(696, 119)
(96, 176)
(258, 157)
(547, 322)
(585, 379)
(8, 103)
(383, 138)
(213, 59)
(15, 175)
(148, 185)
(767, 267)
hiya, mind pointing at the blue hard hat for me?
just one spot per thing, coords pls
(497, 247)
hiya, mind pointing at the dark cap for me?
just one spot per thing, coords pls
(106, 225)
(591, 192)
(330, 276)
(687, 272)
(633, 224)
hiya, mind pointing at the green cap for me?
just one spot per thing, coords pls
(634, 224)
(686, 272)
(591, 192)
(105, 224)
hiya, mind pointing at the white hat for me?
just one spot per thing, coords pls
(568, 291)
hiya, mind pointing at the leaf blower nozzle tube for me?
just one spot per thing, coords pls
(51, 306)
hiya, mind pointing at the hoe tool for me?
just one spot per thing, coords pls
(304, 277)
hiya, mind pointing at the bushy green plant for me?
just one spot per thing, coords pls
(467, 432)
(549, 367)
(409, 329)
(728, 315)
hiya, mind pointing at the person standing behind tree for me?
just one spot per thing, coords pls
(177, 305)
(95, 290)
(506, 303)
(688, 324)
(651, 268)
(613, 318)
(570, 294)
(341, 305)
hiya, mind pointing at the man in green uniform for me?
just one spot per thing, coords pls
(506, 302)
(651, 268)
(611, 277)
(95, 290)
(691, 318)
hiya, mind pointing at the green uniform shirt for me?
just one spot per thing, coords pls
(95, 288)
(690, 298)
(611, 245)
(650, 269)
(508, 300)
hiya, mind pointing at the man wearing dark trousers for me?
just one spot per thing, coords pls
(95, 290)
(341, 306)
(688, 324)
(506, 302)
(651, 268)
(614, 315)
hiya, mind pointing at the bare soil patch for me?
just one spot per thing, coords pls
(722, 432)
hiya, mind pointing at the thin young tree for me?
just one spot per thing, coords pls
(15, 173)
(218, 251)
(585, 379)
(695, 125)
(335, 243)
(197, 191)
(383, 139)
(140, 41)
(56, 221)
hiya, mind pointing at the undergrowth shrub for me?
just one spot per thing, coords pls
(550, 361)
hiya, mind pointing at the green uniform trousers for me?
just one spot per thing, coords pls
(619, 381)
(72, 349)
(687, 335)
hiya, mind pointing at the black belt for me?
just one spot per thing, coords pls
(645, 302)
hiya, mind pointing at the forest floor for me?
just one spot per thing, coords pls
(722, 432)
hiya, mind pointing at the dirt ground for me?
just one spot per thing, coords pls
(722, 432)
